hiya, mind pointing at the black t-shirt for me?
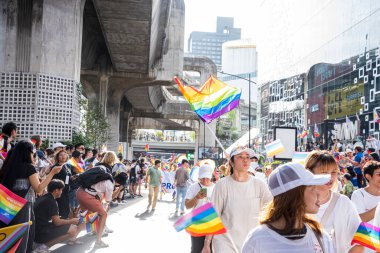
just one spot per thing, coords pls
(63, 175)
(44, 209)
(22, 184)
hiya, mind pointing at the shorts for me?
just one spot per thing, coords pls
(133, 181)
(73, 199)
(90, 202)
(121, 178)
(46, 234)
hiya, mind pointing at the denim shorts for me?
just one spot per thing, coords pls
(73, 199)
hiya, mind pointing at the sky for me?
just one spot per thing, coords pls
(201, 15)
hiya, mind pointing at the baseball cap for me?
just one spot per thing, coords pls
(240, 149)
(58, 145)
(205, 171)
(349, 150)
(291, 175)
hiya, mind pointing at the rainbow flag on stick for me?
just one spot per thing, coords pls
(10, 204)
(91, 220)
(274, 148)
(201, 221)
(368, 236)
(213, 99)
(76, 166)
(11, 236)
(300, 157)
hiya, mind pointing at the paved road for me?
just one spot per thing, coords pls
(136, 230)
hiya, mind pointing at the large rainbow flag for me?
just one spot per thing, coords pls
(274, 148)
(12, 235)
(213, 99)
(10, 204)
(368, 236)
(76, 166)
(201, 221)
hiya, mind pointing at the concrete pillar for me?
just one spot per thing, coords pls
(40, 52)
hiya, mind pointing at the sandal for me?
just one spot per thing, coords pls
(76, 242)
(101, 244)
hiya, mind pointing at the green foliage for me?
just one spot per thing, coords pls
(94, 125)
(45, 144)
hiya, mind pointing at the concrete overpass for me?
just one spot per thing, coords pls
(124, 54)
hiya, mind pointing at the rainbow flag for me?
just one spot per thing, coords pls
(316, 131)
(11, 236)
(91, 220)
(213, 99)
(274, 148)
(10, 204)
(300, 157)
(76, 166)
(368, 236)
(376, 117)
(304, 133)
(201, 221)
(146, 147)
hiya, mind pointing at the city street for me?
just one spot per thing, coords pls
(135, 230)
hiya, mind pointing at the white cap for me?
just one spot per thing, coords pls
(240, 149)
(348, 150)
(205, 171)
(291, 175)
(58, 145)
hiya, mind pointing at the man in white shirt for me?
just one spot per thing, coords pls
(366, 199)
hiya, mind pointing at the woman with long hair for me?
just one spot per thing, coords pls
(340, 226)
(65, 174)
(20, 176)
(285, 227)
(237, 199)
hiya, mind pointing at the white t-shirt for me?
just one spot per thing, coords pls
(364, 201)
(238, 205)
(193, 189)
(342, 223)
(264, 240)
(376, 220)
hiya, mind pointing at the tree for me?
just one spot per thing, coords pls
(95, 125)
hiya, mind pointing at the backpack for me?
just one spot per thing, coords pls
(93, 176)
(132, 172)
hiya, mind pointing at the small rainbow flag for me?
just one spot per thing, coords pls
(274, 148)
(91, 220)
(76, 167)
(304, 133)
(11, 235)
(10, 204)
(213, 99)
(300, 157)
(316, 131)
(368, 236)
(201, 221)
(376, 117)
(146, 147)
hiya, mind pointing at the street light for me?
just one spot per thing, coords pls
(249, 100)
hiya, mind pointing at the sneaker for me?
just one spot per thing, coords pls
(113, 204)
(108, 230)
(182, 212)
(41, 248)
(153, 209)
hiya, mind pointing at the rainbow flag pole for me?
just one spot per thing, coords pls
(201, 221)
(368, 236)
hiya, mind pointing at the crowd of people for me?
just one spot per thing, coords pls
(315, 207)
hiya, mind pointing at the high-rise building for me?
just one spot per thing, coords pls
(209, 44)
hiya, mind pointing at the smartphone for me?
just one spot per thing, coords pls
(204, 191)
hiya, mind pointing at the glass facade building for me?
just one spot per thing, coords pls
(209, 44)
(335, 44)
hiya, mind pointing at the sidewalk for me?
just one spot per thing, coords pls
(137, 230)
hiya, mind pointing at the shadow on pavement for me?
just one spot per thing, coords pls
(173, 217)
(144, 215)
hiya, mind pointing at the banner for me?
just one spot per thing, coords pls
(168, 181)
